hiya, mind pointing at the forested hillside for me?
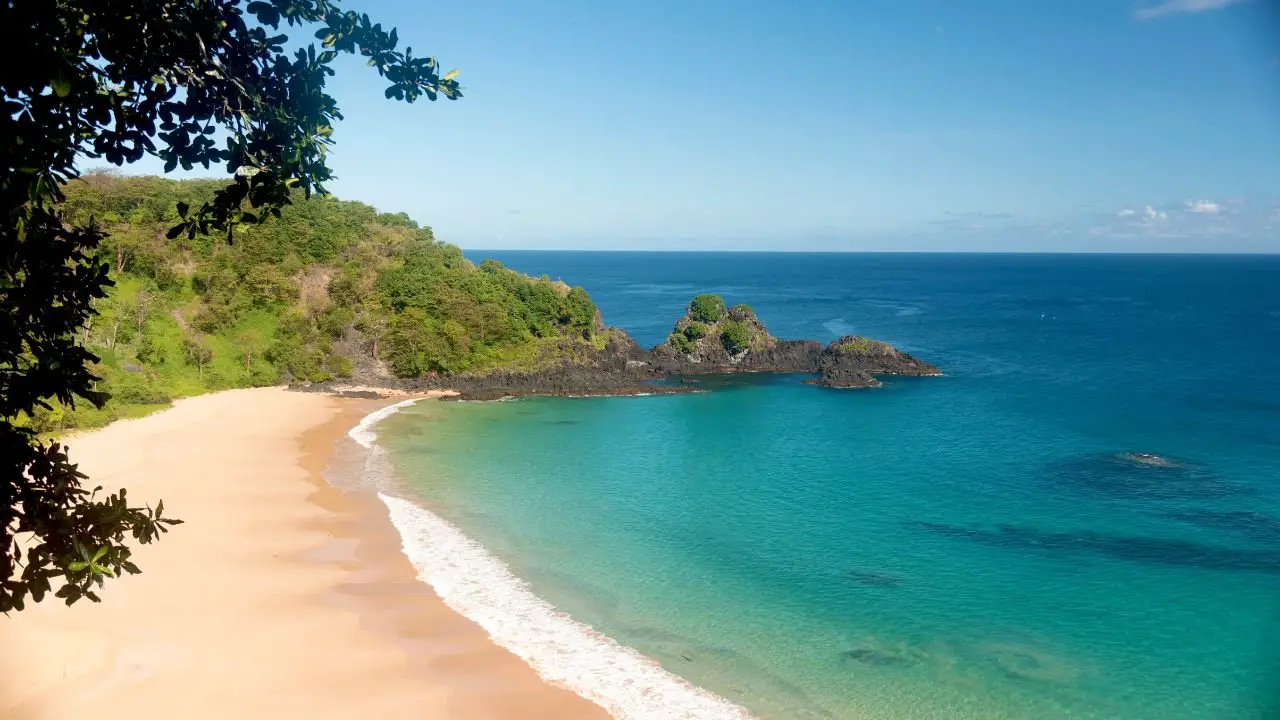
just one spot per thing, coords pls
(328, 286)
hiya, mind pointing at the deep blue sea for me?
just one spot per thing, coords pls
(978, 545)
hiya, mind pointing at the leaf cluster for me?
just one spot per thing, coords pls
(707, 308)
(205, 83)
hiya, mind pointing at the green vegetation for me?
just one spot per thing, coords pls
(695, 330)
(862, 346)
(684, 339)
(737, 328)
(681, 343)
(707, 308)
(735, 336)
(298, 298)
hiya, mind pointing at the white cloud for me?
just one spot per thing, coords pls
(1152, 215)
(1204, 207)
(1174, 7)
(1127, 212)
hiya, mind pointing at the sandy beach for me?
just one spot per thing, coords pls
(279, 597)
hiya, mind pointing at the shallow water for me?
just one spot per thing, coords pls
(971, 546)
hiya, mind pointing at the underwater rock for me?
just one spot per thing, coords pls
(1146, 458)
(1136, 476)
(1130, 548)
(1256, 526)
(876, 658)
(874, 579)
(1025, 662)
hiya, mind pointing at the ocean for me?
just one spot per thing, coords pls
(987, 544)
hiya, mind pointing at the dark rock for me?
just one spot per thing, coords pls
(1146, 458)
(1247, 524)
(853, 362)
(1121, 476)
(876, 658)
(1131, 548)
(874, 579)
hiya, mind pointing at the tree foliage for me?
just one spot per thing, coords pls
(735, 336)
(204, 83)
(695, 330)
(681, 343)
(707, 308)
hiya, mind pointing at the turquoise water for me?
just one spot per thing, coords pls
(971, 546)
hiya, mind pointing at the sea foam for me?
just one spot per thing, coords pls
(562, 650)
(363, 433)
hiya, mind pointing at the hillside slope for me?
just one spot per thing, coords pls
(329, 289)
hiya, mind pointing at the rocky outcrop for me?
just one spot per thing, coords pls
(709, 339)
(696, 346)
(713, 338)
(854, 362)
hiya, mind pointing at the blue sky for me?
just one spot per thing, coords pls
(1032, 125)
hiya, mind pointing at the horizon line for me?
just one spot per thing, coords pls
(1128, 253)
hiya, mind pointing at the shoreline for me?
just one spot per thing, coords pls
(281, 595)
(481, 588)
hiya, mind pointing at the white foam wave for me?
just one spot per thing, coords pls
(363, 431)
(562, 650)
(838, 327)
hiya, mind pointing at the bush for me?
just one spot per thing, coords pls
(340, 366)
(695, 330)
(166, 278)
(212, 318)
(707, 308)
(735, 337)
(396, 220)
(681, 343)
(415, 346)
(344, 288)
(335, 321)
(147, 352)
(133, 389)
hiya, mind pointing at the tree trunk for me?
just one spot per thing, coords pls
(248, 359)
(375, 348)
(119, 259)
(115, 330)
(140, 316)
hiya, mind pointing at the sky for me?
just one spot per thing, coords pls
(913, 125)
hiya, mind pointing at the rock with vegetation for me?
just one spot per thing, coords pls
(854, 362)
(712, 338)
